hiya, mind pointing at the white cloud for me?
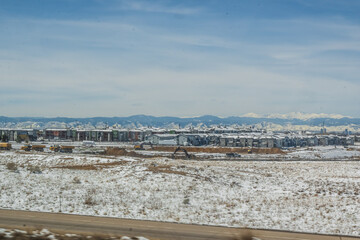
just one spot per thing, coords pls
(156, 7)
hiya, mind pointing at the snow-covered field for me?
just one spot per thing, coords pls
(326, 152)
(45, 234)
(311, 196)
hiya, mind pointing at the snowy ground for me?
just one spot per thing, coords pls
(311, 196)
(45, 234)
(326, 153)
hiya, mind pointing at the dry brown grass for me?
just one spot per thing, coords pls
(96, 166)
(220, 150)
(115, 151)
(112, 163)
(164, 169)
(355, 157)
(79, 167)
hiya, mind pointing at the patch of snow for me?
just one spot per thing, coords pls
(125, 238)
(8, 233)
(44, 231)
(71, 235)
(20, 231)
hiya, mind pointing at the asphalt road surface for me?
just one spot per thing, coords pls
(66, 223)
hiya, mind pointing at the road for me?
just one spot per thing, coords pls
(66, 223)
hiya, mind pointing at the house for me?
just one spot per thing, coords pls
(323, 140)
(120, 135)
(136, 135)
(163, 139)
(57, 134)
(19, 134)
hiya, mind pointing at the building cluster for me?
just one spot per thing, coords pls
(221, 136)
(260, 140)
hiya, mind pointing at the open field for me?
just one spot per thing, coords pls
(310, 196)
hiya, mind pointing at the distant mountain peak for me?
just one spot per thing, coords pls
(253, 115)
(296, 115)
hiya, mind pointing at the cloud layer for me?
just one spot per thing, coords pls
(118, 58)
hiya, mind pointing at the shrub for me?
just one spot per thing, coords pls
(34, 169)
(11, 166)
(76, 180)
(89, 197)
(89, 200)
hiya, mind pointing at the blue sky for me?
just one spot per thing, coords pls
(181, 58)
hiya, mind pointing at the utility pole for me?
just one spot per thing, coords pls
(60, 201)
(60, 197)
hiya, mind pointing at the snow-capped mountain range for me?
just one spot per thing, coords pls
(296, 115)
(276, 122)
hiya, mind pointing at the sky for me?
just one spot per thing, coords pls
(86, 58)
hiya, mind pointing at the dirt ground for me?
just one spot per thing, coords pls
(220, 150)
